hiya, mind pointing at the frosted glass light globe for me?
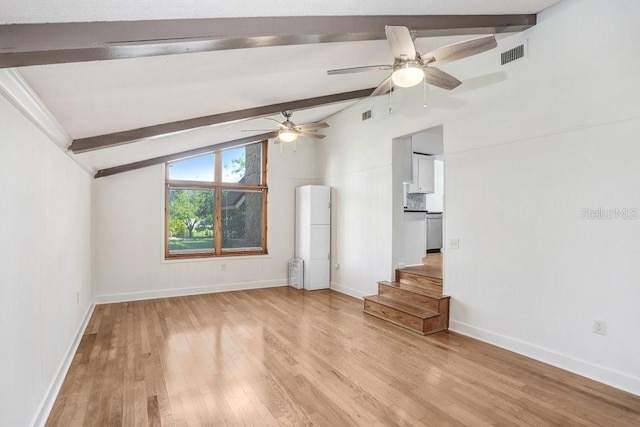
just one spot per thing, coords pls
(407, 74)
(287, 135)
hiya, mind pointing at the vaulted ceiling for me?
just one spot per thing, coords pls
(118, 88)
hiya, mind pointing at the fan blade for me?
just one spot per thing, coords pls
(311, 134)
(384, 87)
(460, 50)
(282, 125)
(481, 81)
(400, 42)
(312, 126)
(444, 101)
(437, 77)
(360, 69)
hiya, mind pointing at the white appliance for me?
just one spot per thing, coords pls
(313, 234)
(434, 232)
(296, 273)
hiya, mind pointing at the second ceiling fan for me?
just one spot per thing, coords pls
(289, 131)
(411, 68)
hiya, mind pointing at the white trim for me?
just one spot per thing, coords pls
(179, 292)
(41, 415)
(352, 292)
(218, 258)
(21, 95)
(587, 369)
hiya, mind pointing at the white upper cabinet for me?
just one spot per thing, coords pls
(423, 174)
(320, 203)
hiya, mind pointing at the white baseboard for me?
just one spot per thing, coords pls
(49, 399)
(180, 292)
(590, 370)
(356, 293)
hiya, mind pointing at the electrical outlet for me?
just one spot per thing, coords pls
(454, 243)
(223, 266)
(599, 327)
(337, 266)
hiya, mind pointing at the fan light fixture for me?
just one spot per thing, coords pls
(407, 74)
(287, 135)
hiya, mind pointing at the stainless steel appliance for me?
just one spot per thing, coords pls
(434, 232)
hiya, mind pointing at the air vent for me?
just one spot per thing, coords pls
(512, 54)
(366, 115)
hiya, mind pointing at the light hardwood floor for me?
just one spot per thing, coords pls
(282, 356)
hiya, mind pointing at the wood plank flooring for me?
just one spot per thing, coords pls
(289, 357)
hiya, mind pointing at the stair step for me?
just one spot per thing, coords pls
(416, 279)
(415, 295)
(396, 310)
(403, 305)
(414, 289)
(428, 270)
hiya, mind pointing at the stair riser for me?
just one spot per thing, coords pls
(408, 321)
(424, 282)
(436, 324)
(422, 326)
(424, 301)
(416, 289)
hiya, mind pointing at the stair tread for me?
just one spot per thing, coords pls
(401, 304)
(416, 289)
(422, 271)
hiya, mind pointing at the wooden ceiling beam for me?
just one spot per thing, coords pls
(54, 43)
(128, 136)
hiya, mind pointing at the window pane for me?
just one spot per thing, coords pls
(242, 164)
(191, 227)
(194, 169)
(241, 220)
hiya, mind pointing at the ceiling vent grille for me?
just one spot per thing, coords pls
(512, 54)
(366, 115)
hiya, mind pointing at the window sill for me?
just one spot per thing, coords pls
(178, 260)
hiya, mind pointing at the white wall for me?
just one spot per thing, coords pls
(46, 259)
(356, 159)
(522, 159)
(522, 162)
(435, 201)
(129, 211)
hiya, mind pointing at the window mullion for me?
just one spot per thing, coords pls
(218, 202)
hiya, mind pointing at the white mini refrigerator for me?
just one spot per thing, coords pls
(313, 234)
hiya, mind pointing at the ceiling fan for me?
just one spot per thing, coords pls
(411, 68)
(289, 131)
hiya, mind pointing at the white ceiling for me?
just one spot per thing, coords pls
(23, 11)
(94, 98)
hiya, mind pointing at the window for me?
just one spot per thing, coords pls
(216, 203)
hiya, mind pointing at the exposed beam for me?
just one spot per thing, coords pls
(183, 154)
(124, 137)
(54, 43)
